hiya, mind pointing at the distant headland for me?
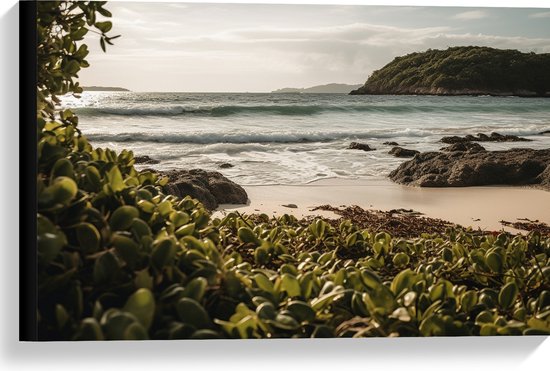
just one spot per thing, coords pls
(103, 88)
(320, 89)
(465, 70)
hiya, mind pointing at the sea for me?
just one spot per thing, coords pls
(296, 138)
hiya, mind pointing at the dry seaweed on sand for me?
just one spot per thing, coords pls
(528, 225)
(397, 222)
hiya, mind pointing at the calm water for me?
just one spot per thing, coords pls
(296, 138)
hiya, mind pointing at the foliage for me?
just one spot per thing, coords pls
(120, 259)
(60, 26)
(467, 68)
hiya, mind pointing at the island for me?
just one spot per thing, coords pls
(103, 88)
(464, 70)
(321, 89)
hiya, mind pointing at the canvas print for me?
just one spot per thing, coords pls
(254, 171)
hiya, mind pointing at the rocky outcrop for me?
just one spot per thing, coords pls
(493, 137)
(518, 166)
(402, 152)
(209, 187)
(463, 147)
(391, 143)
(463, 70)
(360, 146)
(544, 178)
(145, 160)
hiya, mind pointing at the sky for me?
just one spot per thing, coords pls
(184, 47)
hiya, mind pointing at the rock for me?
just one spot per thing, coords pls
(391, 143)
(453, 139)
(464, 146)
(519, 166)
(145, 160)
(493, 137)
(209, 187)
(290, 206)
(226, 165)
(544, 132)
(544, 178)
(361, 146)
(402, 152)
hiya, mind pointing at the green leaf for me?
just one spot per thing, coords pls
(290, 285)
(115, 179)
(164, 251)
(123, 217)
(62, 167)
(403, 281)
(301, 311)
(79, 33)
(88, 237)
(266, 310)
(400, 259)
(246, 235)
(263, 282)
(62, 191)
(507, 295)
(104, 26)
(105, 268)
(469, 299)
(127, 249)
(494, 261)
(90, 330)
(192, 313)
(196, 288)
(142, 305)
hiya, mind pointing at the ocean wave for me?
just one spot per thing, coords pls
(305, 110)
(254, 137)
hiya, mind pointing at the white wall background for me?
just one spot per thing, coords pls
(529, 353)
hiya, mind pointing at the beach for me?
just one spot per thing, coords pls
(294, 149)
(476, 207)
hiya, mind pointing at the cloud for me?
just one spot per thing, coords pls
(203, 49)
(470, 15)
(540, 15)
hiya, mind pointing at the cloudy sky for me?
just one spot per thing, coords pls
(260, 47)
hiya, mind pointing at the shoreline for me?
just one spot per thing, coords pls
(480, 207)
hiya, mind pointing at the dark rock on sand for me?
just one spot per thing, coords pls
(145, 160)
(518, 166)
(463, 147)
(391, 143)
(544, 132)
(493, 137)
(226, 165)
(290, 206)
(209, 187)
(361, 146)
(544, 178)
(402, 152)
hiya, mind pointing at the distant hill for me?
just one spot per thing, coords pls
(465, 70)
(103, 88)
(328, 88)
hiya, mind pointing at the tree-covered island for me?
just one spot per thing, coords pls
(463, 70)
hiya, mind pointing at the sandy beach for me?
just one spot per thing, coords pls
(478, 207)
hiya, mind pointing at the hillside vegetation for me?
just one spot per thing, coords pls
(466, 70)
